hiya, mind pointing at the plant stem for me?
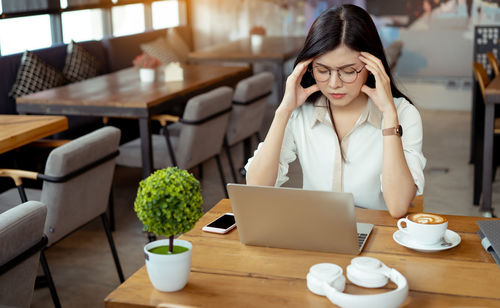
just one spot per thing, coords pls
(171, 244)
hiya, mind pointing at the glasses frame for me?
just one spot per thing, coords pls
(311, 70)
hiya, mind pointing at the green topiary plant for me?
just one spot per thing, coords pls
(169, 202)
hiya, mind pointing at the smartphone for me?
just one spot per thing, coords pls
(223, 224)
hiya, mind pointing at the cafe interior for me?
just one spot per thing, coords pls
(97, 95)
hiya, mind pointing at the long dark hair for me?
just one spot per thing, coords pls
(349, 25)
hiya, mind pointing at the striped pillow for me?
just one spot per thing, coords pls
(35, 75)
(161, 50)
(80, 64)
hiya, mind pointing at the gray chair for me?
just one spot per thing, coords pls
(193, 139)
(249, 108)
(21, 240)
(76, 188)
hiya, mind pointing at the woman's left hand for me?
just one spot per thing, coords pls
(382, 94)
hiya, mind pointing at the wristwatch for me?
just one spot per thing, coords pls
(393, 131)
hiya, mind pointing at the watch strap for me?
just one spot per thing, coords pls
(397, 130)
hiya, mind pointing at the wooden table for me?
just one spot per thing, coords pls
(122, 94)
(19, 130)
(274, 49)
(226, 273)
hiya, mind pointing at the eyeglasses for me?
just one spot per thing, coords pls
(346, 75)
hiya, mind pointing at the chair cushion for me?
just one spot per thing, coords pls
(35, 75)
(202, 141)
(253, 87)
(82, 198)
(80, 64)
(207, 104)
(11, 198)
(161, 50)
(20, 228)
(246, 118)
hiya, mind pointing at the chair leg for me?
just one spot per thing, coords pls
(111, 208)
(112, 246)
(52, 287)
(170, 148)
(221, 173)
(231, 164)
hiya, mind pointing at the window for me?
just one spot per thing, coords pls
(72, 25)
(19, 34)
(128, 19)
(165, 14)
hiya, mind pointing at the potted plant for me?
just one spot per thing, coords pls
(168, 203)
(147, 67)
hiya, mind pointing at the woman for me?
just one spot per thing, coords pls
(347, 135)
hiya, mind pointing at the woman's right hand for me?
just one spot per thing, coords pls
(295, 95)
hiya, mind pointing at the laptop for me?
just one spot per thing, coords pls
(297, 219)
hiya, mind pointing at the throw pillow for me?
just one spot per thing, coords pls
(80, 64)
(161, 50)
(35, 75)
(177, 42)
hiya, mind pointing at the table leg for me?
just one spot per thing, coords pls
(489, 119)
(146, 146)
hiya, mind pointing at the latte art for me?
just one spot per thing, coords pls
(427, 218)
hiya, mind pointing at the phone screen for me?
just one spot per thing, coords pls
(223, 222)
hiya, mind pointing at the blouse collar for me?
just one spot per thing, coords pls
(370, 114)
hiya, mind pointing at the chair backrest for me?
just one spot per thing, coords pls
(249, 107)
(21, 227)
(204, 124)
(493, 62)
(481, 76)
(74, 202)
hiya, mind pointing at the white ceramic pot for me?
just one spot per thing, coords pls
(168, 273)
(147, 74)
(256, 42)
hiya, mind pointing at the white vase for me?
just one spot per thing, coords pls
(147, 74)
(168, 273)
(256, 42)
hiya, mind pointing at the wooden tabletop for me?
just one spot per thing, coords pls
(272, 48)
(226, 273)
(123, 89)
(18, 130)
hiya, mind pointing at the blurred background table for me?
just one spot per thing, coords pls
(272, 49)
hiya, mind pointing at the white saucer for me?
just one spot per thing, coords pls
(403, 239)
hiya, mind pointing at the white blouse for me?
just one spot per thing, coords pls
(310, 137)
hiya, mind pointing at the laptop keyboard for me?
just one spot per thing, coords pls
(362, 238)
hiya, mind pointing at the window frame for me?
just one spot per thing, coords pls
(106, 5)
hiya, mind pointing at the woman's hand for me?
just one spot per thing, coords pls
(382, 94)
(295, 95)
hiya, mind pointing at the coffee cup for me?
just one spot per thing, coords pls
(424, 228)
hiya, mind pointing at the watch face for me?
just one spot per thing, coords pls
(399, 130)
